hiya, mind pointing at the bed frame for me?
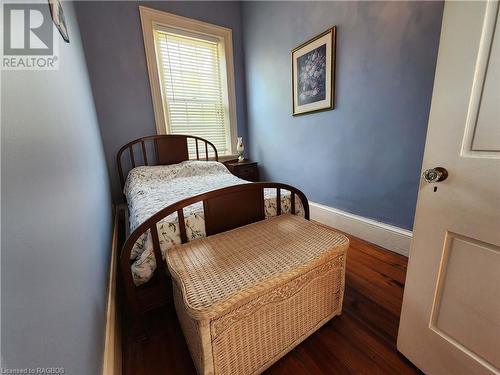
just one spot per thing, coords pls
(224, 209)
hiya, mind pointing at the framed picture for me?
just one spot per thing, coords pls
(313, 74)
(57, 13)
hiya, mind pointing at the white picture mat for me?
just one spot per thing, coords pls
(325, 39)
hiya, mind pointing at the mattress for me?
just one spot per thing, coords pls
(148, 189)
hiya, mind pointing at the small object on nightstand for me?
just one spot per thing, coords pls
(246, 169)
(240, 147)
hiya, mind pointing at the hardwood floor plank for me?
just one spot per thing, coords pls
(377, 348)
(360, 341)
(396, 275)
(382, 322)
(377, 279)
(349, 353)
(316, 356)
(395, 260)
(298, 361)
(371, 291)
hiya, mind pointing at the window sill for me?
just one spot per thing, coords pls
(224, 158)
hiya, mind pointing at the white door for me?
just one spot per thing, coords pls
(450, 320)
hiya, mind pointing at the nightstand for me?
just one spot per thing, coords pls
(247, 169)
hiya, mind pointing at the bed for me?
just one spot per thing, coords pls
(151, 188)
(177, 191)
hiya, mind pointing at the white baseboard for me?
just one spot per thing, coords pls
(112, 357)
(385, 235)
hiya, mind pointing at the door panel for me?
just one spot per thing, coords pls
(450, 319)
(464, 312)
(483, 124)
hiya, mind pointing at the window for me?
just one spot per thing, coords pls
(192, 80)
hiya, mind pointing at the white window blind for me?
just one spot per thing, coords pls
(192, 88)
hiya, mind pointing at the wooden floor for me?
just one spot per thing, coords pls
(360, 341)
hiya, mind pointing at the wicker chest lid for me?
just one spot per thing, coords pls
(228, 269)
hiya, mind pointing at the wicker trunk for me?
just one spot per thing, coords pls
(266, 299)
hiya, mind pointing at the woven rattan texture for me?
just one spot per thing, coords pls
(190, 328)
(252, 337)
(223, 271)
(261, 338)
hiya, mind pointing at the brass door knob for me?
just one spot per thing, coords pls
(436, 174)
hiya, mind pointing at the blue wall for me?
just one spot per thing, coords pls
(56, 216)
(365, 156)
(114, 49)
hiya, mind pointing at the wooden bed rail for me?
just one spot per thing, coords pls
(162, 150)
(224, 209)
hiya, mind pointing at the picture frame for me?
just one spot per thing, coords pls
(57, 14)
(313, 74)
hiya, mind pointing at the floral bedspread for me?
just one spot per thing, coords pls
(148, 189)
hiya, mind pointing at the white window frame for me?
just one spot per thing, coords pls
(151, 19)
